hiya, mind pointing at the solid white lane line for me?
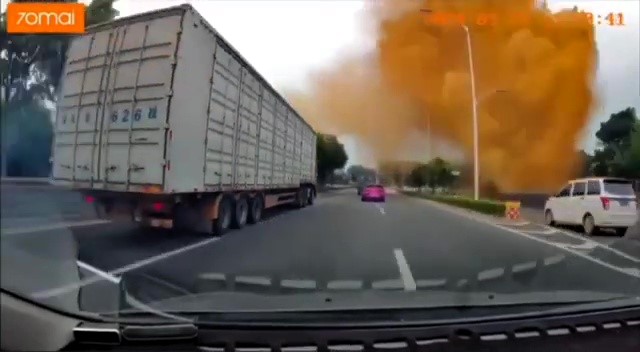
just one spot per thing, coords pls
(405, 271)
(103, 274)
(597, 244)
(135, 265)
(60, 225)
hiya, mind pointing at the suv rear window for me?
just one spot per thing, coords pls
(375, 186)
(618, 187)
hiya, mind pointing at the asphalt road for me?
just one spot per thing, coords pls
(338, 243)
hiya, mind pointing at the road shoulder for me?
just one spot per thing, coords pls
(573, 243)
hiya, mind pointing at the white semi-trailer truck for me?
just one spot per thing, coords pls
(161, 121)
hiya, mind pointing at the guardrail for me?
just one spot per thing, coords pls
(527, 200)
(25, 180)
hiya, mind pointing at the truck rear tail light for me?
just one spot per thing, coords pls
(158, 207)
(605, 202)
(89, 199)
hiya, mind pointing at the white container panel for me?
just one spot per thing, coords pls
(266, 139)
(224, 103)
(115, 83)
(248, 131)
(162, 99)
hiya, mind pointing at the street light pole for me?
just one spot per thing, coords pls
(429, 150)
(474, 101)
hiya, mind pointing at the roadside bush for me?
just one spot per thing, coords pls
(484, 206)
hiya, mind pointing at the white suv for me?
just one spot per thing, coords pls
(594, 203)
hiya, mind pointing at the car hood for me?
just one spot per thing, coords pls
(237, 302)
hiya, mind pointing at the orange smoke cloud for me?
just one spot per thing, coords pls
(533, 73)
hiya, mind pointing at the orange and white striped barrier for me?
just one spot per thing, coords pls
(512, 210)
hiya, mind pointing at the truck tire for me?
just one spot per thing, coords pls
(301, 197)
(256, 206)
(240, 211)
(311, 196)
(225, 213)
(101, 211)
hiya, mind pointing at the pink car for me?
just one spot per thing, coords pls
(374, 193)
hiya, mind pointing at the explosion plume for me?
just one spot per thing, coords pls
(533, 74)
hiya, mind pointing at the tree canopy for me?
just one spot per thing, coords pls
(330, 155)
(619, 152)
(436, 173)
(357, 172)
(31, 67)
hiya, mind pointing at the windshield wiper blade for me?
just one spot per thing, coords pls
(115, 334)
(182, 331)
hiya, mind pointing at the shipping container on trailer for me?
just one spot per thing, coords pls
(161, 120)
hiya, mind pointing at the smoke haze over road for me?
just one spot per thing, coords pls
(534, 73)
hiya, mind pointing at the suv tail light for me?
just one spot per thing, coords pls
(605, 202)
(159, 207)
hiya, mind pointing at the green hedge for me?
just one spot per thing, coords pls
(484, 206)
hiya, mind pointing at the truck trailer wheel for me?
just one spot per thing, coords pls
(255, 209)
(225, 213)
(311, 196)
(301, 197)
(101, 211)
(239, 218)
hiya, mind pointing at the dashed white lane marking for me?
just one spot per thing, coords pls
(344, 285)
(387, 284)
(554, 260)
(102, 274)
(54, 226)
(405, 271)
(254, 280)
(543, 232)
(288, 283)
(596, 244)
(586, 246)
(380, 208)
(629, 271)
(518, 268)
(490, 274)
(431, 283)
(520, 223)
(135, 265)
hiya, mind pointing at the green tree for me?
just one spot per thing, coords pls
(440, 174)
(31, 68)
(357, 172)
(626, 163)
(330, 155)
(617, 155)
(585, 163)
(29, 143)
(39, 58)
(419, 176)
(616, 132)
